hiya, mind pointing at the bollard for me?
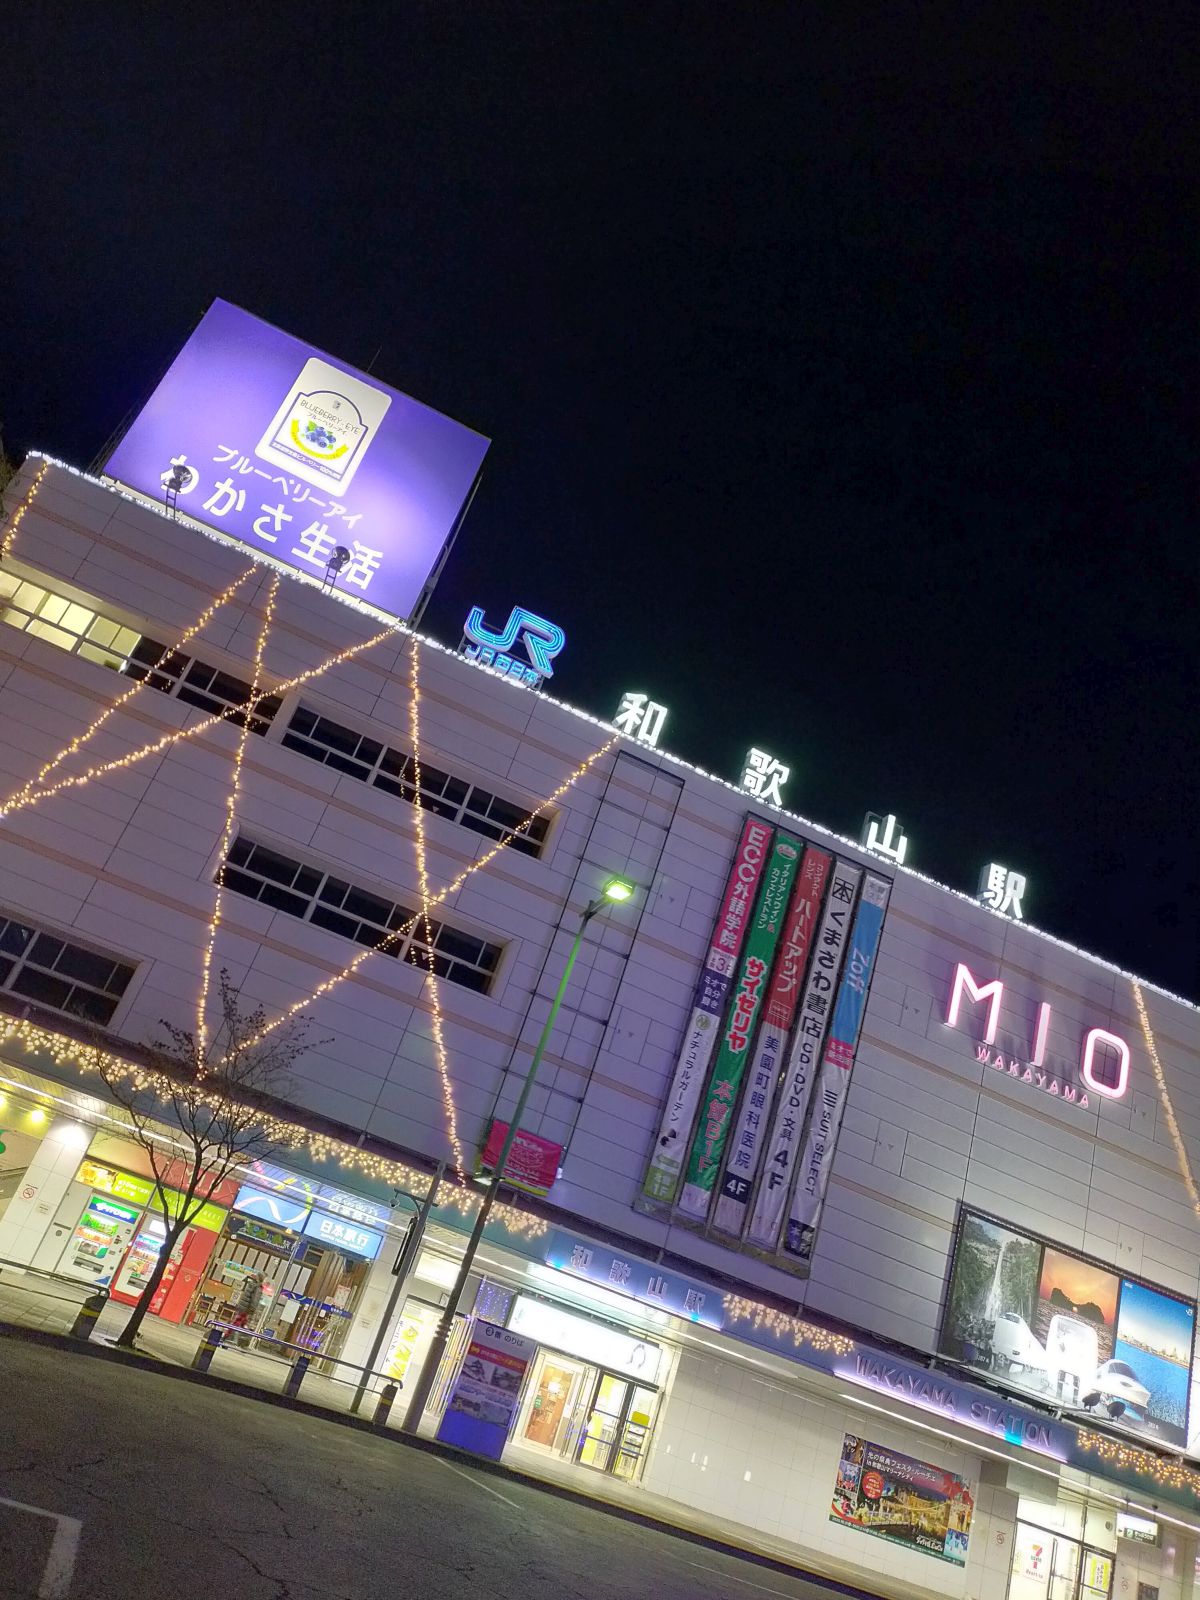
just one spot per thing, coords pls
(384, 1404)
(85, 1322)
(202, 1360)
(296, 1377)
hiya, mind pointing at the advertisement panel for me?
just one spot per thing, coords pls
(532, 1164)
(902, 1500)
(484, 1398)
(708, 1006)
(1043, 1321)
(296, 454)
(725, 1080)
(837, 1063)
(770, 1204)
(779, 1012)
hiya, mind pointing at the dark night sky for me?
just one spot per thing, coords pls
(839, 361)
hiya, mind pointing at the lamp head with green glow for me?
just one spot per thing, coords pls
(618, 890)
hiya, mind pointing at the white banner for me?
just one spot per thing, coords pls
(770, 1205)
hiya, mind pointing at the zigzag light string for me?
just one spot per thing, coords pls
(10, 533)
(80, 740)
(1164, 1095)
(190, 732)
(439, 1041)
(397, 934)
(231, 805)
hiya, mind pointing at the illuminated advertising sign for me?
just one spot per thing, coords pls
(1104, 1060)
(1072, 1332)
(349, 1237)
(640, 1280)
(286, 1211)
(538, 640)
(301, 456)
(903, 1500)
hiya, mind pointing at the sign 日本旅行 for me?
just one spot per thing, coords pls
(272, 442)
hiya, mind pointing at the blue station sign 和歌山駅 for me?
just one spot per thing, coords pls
(643, 1281)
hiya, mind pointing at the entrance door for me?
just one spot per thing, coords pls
(555, 1387)
(602, 1430)
(1050, 1566)
(1064, 1573)
(635, 1434)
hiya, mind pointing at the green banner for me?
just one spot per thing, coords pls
(724, 1081)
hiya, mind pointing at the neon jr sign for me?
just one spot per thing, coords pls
(1104, 1057)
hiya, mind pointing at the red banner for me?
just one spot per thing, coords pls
(532, 1162)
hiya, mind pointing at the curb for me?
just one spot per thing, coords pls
(433, 1447)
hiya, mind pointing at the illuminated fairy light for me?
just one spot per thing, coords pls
(66, 1052)
(1164, 1095)
(81, 739)
(351, 967)
(10, 533)
(232, 797)
(786, 1326)
(439, 1041)
(177, 735)
(1126, 1457)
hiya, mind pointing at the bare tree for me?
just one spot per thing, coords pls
(216, 1101)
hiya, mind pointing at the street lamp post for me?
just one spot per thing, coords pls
(615, 892)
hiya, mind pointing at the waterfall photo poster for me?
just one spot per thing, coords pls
(1047, 1322)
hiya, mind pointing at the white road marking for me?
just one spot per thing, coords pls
(64, 1549)
(761, 1587)
(486, 1487)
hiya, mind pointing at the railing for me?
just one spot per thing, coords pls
(77, 1308)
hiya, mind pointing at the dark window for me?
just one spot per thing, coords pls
(198, 684)
(54, 972)
(346, 750)
(368, 919)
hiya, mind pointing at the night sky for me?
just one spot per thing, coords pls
(840, 364)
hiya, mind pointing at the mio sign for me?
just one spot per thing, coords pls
(1104, 1059)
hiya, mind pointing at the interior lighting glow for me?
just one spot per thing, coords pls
(37, 1115)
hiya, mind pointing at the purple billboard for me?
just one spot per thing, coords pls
(297, 455)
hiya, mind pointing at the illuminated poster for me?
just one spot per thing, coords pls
(483, 1401)
(779, 1161)
(721, 1095)
(297, 455)
(837, 1063)
(902, 1500)
(1047, 1322)
(758, 1098)
(708, 1006)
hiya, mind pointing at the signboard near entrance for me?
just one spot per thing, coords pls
(902, 1500)
(483, 1402)
(532, 1163)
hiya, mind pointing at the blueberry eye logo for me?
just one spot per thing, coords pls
(318, 437)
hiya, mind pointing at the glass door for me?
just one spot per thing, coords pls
(605, 1419)
(554, 1391)
(635, 1434)
(1064, 1573)
(1095, 1580)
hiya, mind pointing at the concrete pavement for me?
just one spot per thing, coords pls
(195, 1494)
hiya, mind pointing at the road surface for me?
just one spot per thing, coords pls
(184, 1493)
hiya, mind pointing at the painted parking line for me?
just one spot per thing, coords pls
(745, 1582)
(64, 1549)
(486, 1487)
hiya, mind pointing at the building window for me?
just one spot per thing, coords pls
(195, 682)
(330, 902)
(382, 766)
(56, 973)
(80, 629)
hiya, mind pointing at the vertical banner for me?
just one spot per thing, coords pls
(708, 1006)
(483, 1402)
(833, 1085)
(741, 1166)
(770, 1205)
(725, 1080)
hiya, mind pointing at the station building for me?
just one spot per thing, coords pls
(869, 1227)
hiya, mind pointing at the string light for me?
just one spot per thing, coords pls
(439, 1042)
(10, 533)
(178, 734)
(786, 1326)
(352, 966)
(320, 1147)
(1128, 1458)
(231, 805)
(80, 740)
(1181, 1155)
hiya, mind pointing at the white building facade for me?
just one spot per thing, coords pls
(918, 1310)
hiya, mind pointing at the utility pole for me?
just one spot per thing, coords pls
(615, 891)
